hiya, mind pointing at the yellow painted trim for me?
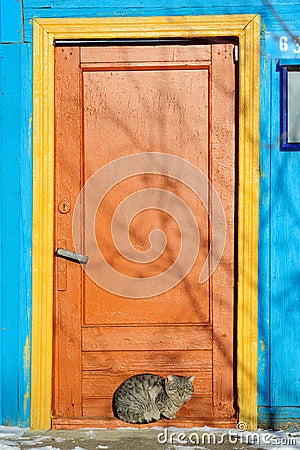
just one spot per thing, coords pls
(248, 206)
(46, 31)
(43, 227)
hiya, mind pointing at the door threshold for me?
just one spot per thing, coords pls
(73, 423)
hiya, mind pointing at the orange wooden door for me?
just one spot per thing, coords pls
(150, 132)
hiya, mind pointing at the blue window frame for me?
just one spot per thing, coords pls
(290, 105)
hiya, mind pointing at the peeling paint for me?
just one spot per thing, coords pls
(26, 365)
(262, 346)
(26, 400)
(26, 356)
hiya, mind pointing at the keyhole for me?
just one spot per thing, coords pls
(64, 207)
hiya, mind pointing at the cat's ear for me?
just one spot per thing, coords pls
(191, 379)
(170, 378)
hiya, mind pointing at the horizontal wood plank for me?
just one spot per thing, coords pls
(147, 338)
(197, 407)
(103, 372)
(103, 385)
(62, 423)
(158, 361)
(137, 54)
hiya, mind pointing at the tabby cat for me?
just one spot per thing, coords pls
(146, 398)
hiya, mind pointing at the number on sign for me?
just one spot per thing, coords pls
(283, 44)
(297, 49)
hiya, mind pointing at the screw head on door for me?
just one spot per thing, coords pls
(64, 207)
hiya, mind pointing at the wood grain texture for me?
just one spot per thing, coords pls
(15, 232)
(223, 178)
(90, 4)
(127, 111)
(231, 26)
(148, 338)
(10, 228)
(103, 386)
(89, 422)
(67, 314)
(276, 17)
(279, 418)
(164, 360)
(247, 331)
(192, 410)
(136, 56)
(141, 27)
(284, 271)
(42, 229)
(287, 9)
(11, 22)
(265, 239)
(142, 111)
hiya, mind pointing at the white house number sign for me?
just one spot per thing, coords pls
(283, 45)
(287, 43)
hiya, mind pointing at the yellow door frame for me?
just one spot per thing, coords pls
(46, 31)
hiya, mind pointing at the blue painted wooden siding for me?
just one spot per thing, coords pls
(279, 244)
(289, 11)
(285, 267)
(280, 350)
(279, 268)
(16, 174)
(264, 235)
(11, 21)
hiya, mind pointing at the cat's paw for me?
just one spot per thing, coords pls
(152, 416)
(156, 416)
(169, 415)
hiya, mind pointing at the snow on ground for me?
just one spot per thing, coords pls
(14, 438)
(9, 437)
(12, 431)
(274, 440)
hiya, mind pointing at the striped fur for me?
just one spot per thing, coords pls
(147, 398)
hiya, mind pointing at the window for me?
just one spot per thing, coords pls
(290, 106)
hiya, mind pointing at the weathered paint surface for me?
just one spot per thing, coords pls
(285, 268)
(190, 325)
(279, 273)
(11, 21)
(279, 248)
(47, 30)
(16, 173)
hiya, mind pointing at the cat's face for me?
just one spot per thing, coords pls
(179, 388)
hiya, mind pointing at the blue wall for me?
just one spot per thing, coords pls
(279, 248)
(15, 226)
(15, 221)
(279, 275)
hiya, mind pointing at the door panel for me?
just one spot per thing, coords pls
(67, 277)
(111, 103)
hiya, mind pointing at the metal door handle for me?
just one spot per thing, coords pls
(72, 256)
